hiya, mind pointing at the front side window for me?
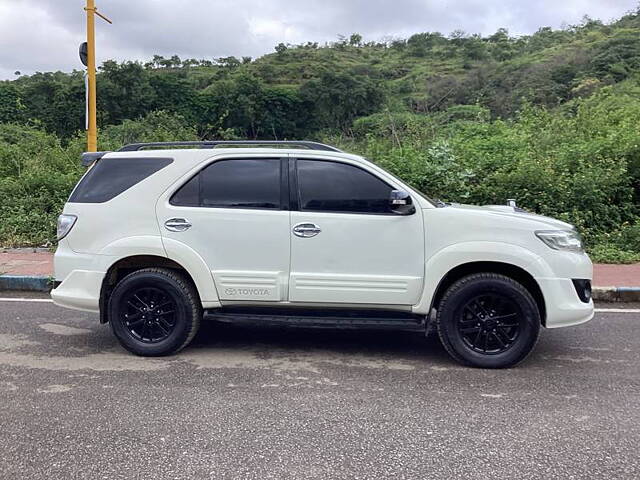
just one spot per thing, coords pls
(242, 183)
(338, 187)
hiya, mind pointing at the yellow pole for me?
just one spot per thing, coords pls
(92, 127)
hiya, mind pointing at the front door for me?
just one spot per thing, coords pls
(234, 214)
(346, 244)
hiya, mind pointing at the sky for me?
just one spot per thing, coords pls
(43, 35)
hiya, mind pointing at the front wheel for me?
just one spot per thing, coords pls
(488, 320)
(154, 312)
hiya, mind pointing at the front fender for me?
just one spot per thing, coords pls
(445, 260)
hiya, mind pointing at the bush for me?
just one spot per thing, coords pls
(392, 125)
(157, 126)
(578, 163)
(36, 176)
(605, 253)
(37, 173)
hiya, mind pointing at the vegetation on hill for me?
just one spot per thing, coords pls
(551, 119)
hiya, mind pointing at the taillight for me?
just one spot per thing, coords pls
(65, 224)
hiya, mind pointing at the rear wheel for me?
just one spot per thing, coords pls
(154, 312)
(488, 320)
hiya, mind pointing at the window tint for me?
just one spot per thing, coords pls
(112, 176)
(338, 187)
(188, 195)
(234, 184)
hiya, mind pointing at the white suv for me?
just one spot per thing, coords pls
(300, 233)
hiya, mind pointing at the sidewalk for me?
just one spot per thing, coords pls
(32, 262)
(39, 263)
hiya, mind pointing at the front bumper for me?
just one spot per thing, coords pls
(562, 303)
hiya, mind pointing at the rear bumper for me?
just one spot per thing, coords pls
(79, 290)
(563, 305)
(78, 278)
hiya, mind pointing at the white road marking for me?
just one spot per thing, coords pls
(617, 310)
(48, 300)
(11, 299)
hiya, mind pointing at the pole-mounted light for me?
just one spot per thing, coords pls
(88, 59)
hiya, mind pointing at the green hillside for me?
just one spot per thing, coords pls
(552, 119)
(300, 89)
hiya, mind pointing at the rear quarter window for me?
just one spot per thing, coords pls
(112, 176)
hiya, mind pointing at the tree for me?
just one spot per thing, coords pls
(173, 94)
(124, 91)
(236, 103)
(12, 109)
(421, 43)
(501, 45)
(56, 101)
(229, 62)
(285, 114)
(617, 57)
(337, 98)
(474, 48)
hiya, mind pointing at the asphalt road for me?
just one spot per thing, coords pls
(264, 403)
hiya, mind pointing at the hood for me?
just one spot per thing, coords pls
(547, 223)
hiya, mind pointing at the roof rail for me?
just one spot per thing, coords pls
(134, 147)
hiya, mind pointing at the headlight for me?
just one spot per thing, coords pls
(65, 223)
(568, 240)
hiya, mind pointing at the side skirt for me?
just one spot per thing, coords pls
(319, 318)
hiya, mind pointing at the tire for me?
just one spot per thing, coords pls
(488, 320)
(154, 312)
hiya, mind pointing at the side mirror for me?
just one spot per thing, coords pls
(400, 203)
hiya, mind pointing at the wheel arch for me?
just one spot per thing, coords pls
(126, 265)
(509, 270)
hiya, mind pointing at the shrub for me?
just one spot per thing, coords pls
(37, 174)
(578, 163)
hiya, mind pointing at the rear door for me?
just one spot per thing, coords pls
(346, 244)
(234, 214)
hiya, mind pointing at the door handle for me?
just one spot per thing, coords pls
(306, 230)
(177, 224)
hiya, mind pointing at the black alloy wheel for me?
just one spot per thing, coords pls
(488, 320)
(490, 323)
(154, 311)
(150, 314)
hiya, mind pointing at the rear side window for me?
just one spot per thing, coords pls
(112, 176)
(338, 187)
(242, 183)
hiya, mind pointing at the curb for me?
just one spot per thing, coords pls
(25, 283)
(616, 294)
